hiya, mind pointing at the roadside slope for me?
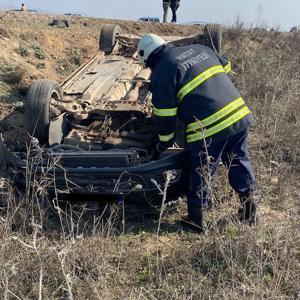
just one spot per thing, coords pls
(74, 253)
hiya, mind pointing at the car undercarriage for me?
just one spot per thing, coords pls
(97, 125)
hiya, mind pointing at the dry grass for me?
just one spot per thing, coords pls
(86, 251)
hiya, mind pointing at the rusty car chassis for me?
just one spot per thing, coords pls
(94, 133)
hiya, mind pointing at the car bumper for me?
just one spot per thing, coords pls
(146, 177)
(102, 173)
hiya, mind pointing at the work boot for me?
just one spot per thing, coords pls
(194, 221)
(247, 213)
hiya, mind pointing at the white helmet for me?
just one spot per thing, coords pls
(147, 45)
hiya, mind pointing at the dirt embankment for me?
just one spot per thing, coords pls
(76, 255)
(27, 41)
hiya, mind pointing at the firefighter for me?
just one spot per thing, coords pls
(174, 7)
(191, 83)
(166, 5)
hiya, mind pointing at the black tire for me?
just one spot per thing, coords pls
(213, 34)
(37, 108)
(107, 39)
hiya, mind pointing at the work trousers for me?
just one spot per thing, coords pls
(174, 7)
(166, 6)
(204, 162)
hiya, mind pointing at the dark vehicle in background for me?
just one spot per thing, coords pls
(74, 14)
(295, 29)
(149, 19)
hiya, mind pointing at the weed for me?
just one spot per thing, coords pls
(23, 50)
(11, 74)
(5, 32)
(76, 57)
(41, 65)
(64, 67)
(38, 51)
(28, 36)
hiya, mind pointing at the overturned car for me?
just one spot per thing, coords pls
(97, 125)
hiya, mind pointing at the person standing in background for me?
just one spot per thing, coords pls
(174, 6)
(23, 7)
(166, 5)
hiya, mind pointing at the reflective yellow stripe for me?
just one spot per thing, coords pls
(199, 80)
(216, 116)
(227, 68)
(221, 126)
(167, 112)
(166, 138)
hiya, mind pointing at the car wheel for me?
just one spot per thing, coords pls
(213, 33)
(107, 39)
(37, 108)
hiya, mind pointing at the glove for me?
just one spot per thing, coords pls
(157, 151)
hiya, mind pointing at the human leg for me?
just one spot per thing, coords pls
(203, 163)
(174, 7)
(241, 178)
(166, 9)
